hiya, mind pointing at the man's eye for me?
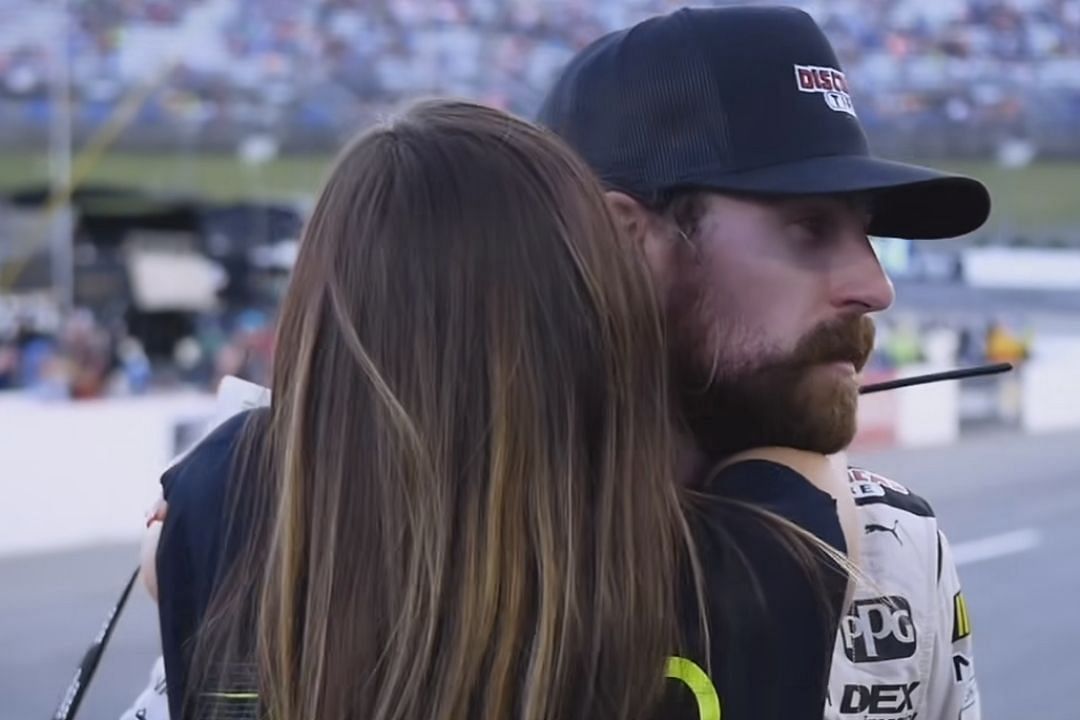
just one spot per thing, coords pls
(813, 227)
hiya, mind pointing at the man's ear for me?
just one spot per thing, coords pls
(630, 215)
(640, 227)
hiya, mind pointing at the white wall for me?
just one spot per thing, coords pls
(1050, 397)
(1050, 385)
(927, 415)
(1022, 268)
(73, 473)
(919, 416)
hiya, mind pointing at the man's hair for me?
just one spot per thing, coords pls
(684, 207)
(462, 502)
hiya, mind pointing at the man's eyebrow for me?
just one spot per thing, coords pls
(859, 202)
(803, 207)
(804, 204)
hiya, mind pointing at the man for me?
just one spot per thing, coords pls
(733, 153)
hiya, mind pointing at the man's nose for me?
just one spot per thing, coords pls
(861, 284)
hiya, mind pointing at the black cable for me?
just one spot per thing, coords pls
(69, 704)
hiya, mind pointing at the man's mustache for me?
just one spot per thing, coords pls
(846, 340)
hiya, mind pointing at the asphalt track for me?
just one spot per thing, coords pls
(1009, 503)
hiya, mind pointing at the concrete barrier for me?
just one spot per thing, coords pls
(1050, 395)
(920, 416)
(73, 473)
(927, 415)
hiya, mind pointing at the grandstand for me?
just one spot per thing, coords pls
(932, 77)
(200, 129)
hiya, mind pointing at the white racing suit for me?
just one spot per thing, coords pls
(904, 649)
(152, 703)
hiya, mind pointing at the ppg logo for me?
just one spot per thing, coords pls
(878, 629)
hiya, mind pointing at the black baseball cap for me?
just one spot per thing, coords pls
(742, 100)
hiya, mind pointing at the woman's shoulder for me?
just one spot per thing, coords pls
(775, 486)
(208, 462)
(724, 508)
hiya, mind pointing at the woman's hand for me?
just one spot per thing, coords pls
(157, 511)
(148, 552)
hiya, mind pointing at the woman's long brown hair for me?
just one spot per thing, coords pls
(461, 504)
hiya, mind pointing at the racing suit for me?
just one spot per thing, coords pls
(904, 650)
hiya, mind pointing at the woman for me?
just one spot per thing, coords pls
(462, 502)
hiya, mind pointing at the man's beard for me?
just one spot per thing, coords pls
(783, 400)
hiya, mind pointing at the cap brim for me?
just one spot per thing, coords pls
(909, 201)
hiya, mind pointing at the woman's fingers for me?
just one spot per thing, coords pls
(157, 511)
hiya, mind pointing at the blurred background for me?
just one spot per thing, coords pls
(158, 159)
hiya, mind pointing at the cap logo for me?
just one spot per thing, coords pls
(831, 83)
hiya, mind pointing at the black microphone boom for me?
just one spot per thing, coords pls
(994, 369)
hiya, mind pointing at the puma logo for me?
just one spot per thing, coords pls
(874, 527)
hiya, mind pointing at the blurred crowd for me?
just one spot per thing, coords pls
(907, 340)
(327, 64)
(321, 65)
(82, 357)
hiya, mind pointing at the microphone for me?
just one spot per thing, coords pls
(976, 371)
